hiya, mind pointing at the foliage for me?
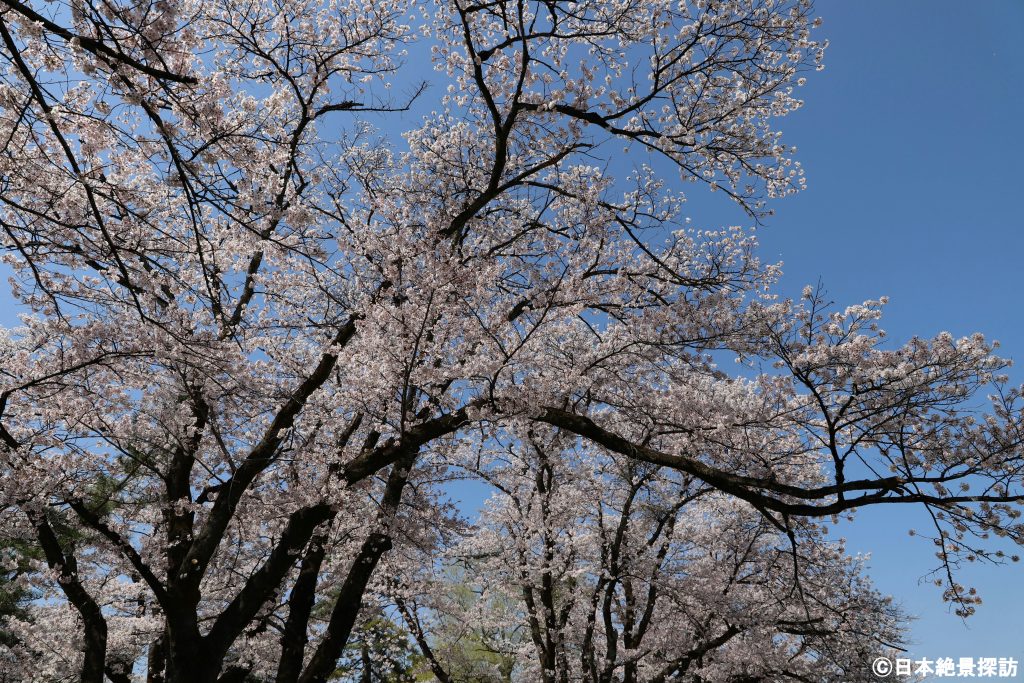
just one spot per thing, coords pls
(457, 643)
(379, 650)
(266, 319)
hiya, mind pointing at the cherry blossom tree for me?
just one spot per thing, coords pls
(260, 326)
(623, 571)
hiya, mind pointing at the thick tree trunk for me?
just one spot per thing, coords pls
(300, 606)
(156, 661)
(93, 623)
(187, 662)
(346, 609)
(366, 675)
(343, 617)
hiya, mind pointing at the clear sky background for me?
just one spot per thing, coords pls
(912, 143)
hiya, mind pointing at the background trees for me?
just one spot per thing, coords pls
(602, 569)
(260, 332)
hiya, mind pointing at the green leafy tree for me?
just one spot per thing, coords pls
(454, 646)
(379, 651)
(15, 556)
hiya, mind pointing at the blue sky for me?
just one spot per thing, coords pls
(913, 150)
(911, 140)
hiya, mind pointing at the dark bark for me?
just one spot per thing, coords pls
(111, 55)
(763, 494)
(182, 653)
(679, 667)
(93, 623)
(265, 581)
(366, 675)
(259, 458)
(346, 609)
(373, 460)
(186, 660)
(156, 661)
(234, 674)
(343, 616)
(413, 624)
(300, 606)
(120, 674)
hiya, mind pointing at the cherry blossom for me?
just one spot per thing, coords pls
(266, 320)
